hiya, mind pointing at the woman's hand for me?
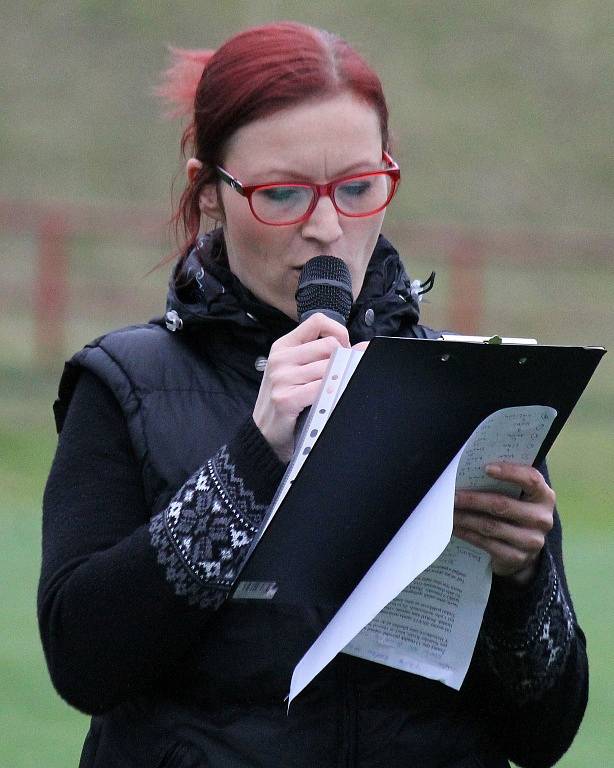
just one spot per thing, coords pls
(292, 378)
(512, 531)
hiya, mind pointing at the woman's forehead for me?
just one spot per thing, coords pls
(315, 139)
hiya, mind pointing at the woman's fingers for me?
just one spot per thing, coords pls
(295, 368)
(530, 480)
(293, 375)
(513, 531)
(525, 538)
(315, 327)
(498, 509)
(506, 559)
(315, 349)
(289, 402)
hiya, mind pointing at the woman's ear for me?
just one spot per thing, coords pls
(208, 200)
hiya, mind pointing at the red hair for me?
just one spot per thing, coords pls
(254, 74)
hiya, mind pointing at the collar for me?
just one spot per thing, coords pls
(203, 292)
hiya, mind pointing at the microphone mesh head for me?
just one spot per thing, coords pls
(325, 283)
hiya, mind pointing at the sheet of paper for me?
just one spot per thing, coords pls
(512, 434)
(431, 628)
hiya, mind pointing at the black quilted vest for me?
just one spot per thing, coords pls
(183, 393)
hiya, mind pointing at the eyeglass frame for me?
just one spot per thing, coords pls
(319, 190)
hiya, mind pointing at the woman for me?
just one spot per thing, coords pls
(173, 439)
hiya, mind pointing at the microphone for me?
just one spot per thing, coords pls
(324, 285)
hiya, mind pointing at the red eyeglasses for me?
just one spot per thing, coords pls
(282, 203)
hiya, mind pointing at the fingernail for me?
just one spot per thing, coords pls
(493, 469)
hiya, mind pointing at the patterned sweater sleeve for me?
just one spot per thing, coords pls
(527, 653)
(110, 618)
(203, 536)
(531, 670)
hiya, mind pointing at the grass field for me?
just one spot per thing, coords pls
(501, 117)
(568, 304)
(38, 729)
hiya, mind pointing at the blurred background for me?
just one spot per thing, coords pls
(502, 119)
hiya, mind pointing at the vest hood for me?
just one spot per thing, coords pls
(203, 291)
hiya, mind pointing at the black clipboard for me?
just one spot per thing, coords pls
(407, 410)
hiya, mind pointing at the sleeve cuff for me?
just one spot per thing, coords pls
(256, 462)
(204, 535)
(512, 609)
(527, 636)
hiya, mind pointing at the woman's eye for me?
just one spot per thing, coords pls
(355, 188)
(282, 194)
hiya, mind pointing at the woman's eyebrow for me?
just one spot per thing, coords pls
(285, 174)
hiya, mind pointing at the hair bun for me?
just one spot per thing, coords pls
(177, 88)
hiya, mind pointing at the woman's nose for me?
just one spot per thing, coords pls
(323, 224)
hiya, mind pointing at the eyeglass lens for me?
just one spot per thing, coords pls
(358, 196)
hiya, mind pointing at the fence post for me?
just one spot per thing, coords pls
(466, 299)
(51, 290)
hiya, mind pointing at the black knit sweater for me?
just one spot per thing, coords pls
(100, 543)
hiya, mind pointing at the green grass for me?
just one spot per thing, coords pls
(501, 117)
(39, 729)
(588, 558)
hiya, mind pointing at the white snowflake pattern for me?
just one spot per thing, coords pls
(174, 510)
(238, 538)
(202, 484)
(211, 568)
(197, 523)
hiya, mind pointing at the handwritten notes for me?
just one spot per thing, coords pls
(420, 605)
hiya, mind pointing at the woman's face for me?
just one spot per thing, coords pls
(317, 141)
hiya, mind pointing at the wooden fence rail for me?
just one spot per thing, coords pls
(54, 225)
